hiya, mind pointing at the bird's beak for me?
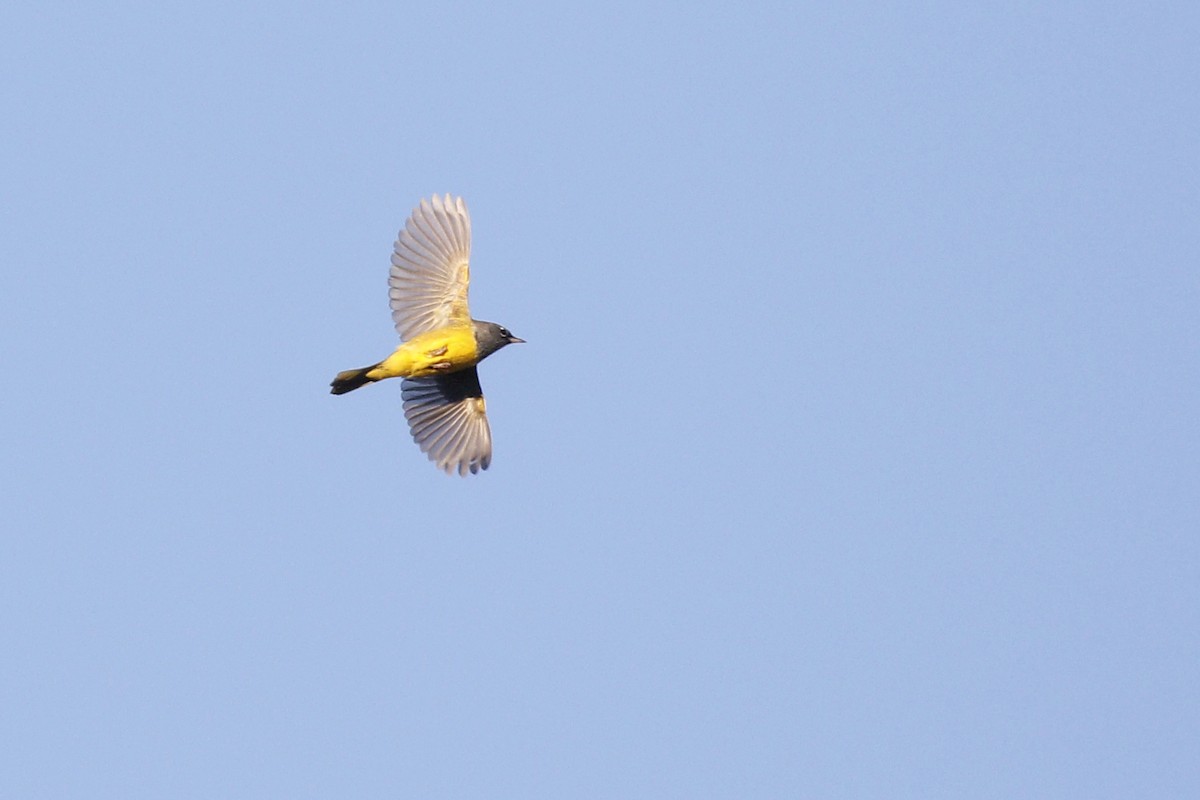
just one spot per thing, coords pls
(515, 340)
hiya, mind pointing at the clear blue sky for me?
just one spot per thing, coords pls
(854, 452)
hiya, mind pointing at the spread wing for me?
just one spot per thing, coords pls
(430, 268)
(448, 420)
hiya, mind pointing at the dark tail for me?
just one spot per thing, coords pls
(351, 379)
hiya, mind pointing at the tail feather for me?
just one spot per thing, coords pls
(351, 379)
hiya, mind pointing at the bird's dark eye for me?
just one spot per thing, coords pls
(504, 332)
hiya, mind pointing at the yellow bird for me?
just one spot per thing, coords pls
(441, 344)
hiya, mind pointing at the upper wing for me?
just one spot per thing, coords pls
(448, 420)
(430, 268)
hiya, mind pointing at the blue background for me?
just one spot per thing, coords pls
(854, 452)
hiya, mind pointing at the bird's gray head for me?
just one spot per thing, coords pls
(490, 337)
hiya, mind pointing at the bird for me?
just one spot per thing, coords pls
(440, 343)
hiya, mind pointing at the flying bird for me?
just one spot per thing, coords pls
(440, 343)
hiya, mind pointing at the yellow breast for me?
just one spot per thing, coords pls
(433, 353)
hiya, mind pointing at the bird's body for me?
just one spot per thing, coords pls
(442, 344)
(434, 353)
(438, 352)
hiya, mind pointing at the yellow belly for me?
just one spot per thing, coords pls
(434, 353)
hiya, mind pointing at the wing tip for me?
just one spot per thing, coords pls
(470, 466)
